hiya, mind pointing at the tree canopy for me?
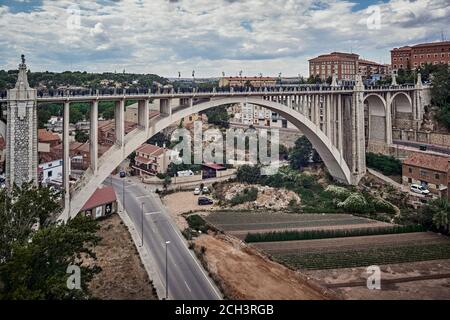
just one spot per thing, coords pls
(35, 252)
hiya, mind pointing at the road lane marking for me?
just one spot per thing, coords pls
(187, 286)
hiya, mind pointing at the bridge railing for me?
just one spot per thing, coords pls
(157, 92)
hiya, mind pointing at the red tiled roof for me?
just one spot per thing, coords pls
(428, 161)
(143, 160)
(432, 44)
(214, 166)
(100, 197)
(44, 135)
(150, 149)
(362, 61)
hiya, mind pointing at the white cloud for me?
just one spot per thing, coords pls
(165, 37)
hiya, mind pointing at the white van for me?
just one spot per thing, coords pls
(419, 189)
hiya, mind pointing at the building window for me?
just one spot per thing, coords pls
(423, 173)
(49, 173)
(410, 170)
(409, 180)
(436, 176)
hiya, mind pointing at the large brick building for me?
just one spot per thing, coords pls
(345, 66)
(428, 170)
(418, 55)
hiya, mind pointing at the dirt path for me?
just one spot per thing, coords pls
(123, 276)
(244, 273)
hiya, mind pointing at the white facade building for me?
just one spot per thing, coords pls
(51, 172)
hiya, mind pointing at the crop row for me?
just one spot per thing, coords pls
(291, 235)
(362, 258)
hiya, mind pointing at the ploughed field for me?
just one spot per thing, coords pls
(239, 224)
(358, 251)
(331, 241)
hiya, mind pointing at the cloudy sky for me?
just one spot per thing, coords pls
(209, 36)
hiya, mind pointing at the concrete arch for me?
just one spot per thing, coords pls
(376, 113)
(331, 156)
(383, 100)
(401, 106)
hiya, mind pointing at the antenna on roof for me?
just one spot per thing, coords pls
(442, 35)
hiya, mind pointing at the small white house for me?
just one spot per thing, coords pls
(49, 171)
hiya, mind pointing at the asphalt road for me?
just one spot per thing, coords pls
(186, 278)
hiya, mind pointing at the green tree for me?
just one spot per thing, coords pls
(37, 270)
(21, 208)
(301, 153)
(284, 152)
(248, 174)
(439, 211)
(33, 264)
(218, 116)
(75, 115)
(440, 87)
(81, 136)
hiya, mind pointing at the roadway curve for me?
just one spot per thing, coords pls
(186, 278)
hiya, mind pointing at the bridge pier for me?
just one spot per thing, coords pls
(164, 107)
(66, 159)
(119, 116)
(93, 136)
(143, 114)
(358, 168)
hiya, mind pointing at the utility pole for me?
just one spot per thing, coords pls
(123, 194)
(142, 224)
(167, 274)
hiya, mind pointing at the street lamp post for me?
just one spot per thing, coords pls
(123, 194)
(167, 274)
(142, 224)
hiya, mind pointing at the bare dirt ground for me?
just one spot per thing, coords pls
(183, 202)
(123, 276)
(418, 280)
(243, 273)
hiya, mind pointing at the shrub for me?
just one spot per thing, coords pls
(354, 203)
(339, 192)
(197, 223)
(384, 206)
(248, 174)
(247, 195)
(386, 164)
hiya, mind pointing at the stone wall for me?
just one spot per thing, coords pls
(442, 139)
(377, 128)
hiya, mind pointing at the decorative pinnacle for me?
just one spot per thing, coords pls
(23, 58)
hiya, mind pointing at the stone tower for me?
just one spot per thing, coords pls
(21, 131)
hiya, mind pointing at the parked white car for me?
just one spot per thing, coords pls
(419, 189)
(196, 191)
(205, 190)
